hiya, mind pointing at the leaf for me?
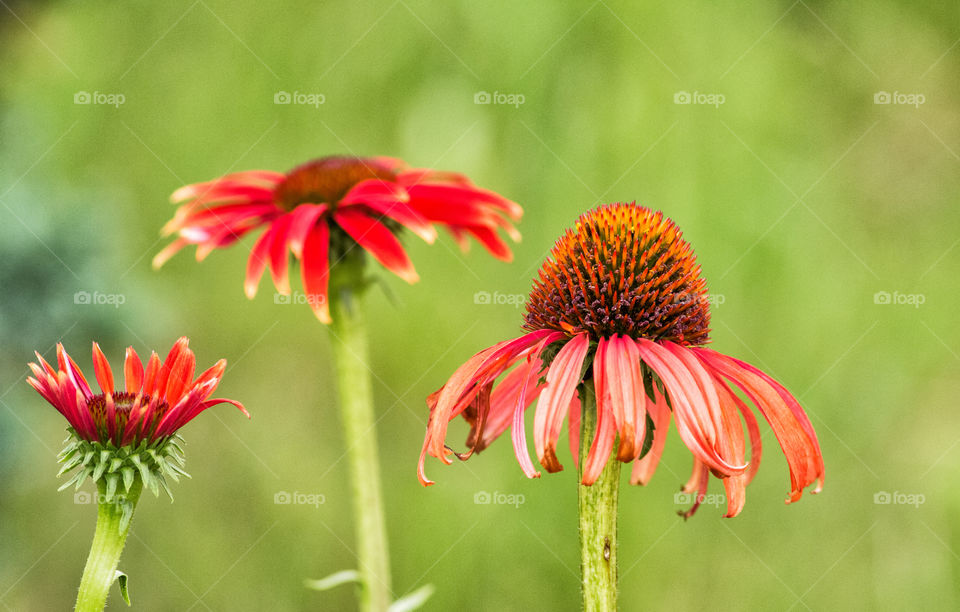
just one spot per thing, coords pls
(121, 579)
(333, 580)
(412, 601)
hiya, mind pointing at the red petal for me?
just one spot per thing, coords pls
(101, 368)
(133, 371)
(279, 259)
(378, 241)
(304, 217)
(619, 386)
(644, 468)
(257, 263)
(315, 269)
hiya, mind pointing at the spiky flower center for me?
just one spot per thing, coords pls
(327, 180)
(622, 269)
(123, 403)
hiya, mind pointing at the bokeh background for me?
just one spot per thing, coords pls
(826, 222)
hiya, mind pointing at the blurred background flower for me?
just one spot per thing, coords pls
(807, 150)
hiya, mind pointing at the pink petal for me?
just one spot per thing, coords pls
(562, 380)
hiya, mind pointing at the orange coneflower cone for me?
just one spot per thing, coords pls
(620, 303)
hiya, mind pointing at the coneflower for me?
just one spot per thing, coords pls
(124, 439)
(616, 324)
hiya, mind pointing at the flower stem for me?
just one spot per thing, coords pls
(598, 519)
(356, 405)
(108, 540)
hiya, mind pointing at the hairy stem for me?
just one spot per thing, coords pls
(108, 540)
(356, 405)
(598, 519)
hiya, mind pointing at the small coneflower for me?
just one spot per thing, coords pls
(124, 438)
(620, 313)
(321, 210)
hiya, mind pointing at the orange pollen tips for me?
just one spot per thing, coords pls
(327, 180)
(622, 269)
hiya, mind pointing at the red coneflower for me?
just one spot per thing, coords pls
(133, 426)
(322, 209)
(620, 303)
(124, 439)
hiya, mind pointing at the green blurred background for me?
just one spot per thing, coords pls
(803, 197)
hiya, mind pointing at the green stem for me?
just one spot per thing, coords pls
(598, 518)
(108, 540)
(356, 405)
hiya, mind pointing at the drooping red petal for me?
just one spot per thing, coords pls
(729, 443)
(601, 447)
(619, 386)
(279, 259)
(391, 200)
(304, 217)
(378, 241)
(697, 485)
(573, 430)
(530, 386)
(696, 421)
(257, 262)
(493, 243)
(562, 380)
(315, 270)
(802, 452)
(644, 467)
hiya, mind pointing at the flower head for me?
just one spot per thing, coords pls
(323, 209)
(620, 304)
(126, 431)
